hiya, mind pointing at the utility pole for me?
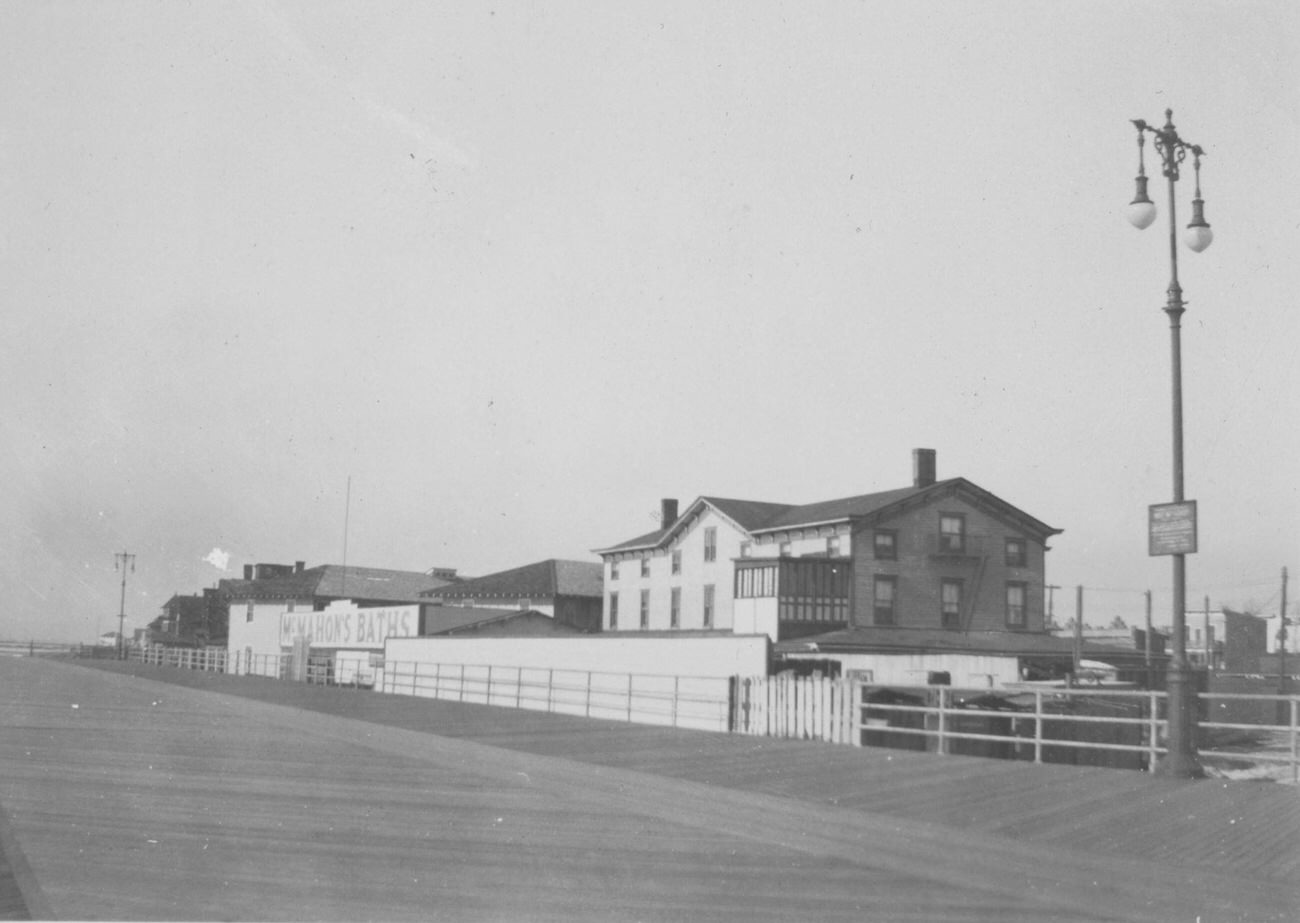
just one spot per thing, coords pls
(1147, 643)
(1283, 710)
(121, 561)
(1209, 648)
(1078, 631)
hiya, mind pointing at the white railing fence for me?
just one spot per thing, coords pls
(215, 660)
(673, 701)
(1253, 734)
(1115, 728)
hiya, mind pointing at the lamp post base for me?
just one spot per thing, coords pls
(1181, 762)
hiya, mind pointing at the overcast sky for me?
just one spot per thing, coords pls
(520, 270)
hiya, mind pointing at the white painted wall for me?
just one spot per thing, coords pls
(756, 616)
(803, 542)
(725, 656)
(695, 575)
(259, 635)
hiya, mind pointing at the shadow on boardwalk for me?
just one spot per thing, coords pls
(239, 789)
(1229, 827)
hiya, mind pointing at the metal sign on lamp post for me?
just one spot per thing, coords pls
(1180, 758)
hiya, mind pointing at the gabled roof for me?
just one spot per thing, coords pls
(756, 517)
(844, 508)
(439, 620)
(542, 580)
(373, 583)
(337, 582)
(523, 623)
(748, 515)
(885, 503)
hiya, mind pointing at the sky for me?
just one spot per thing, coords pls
(475, 285)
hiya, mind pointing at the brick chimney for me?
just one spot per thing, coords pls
(248, 571)
(923, 467)
(667, 512)
(298, 566)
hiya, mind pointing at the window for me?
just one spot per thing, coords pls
(952, 533)
(645, 566)
(613, 610)
(950, 603)
(613, 570)
(833, 546)
(784, 549)
(745, 548)
(754, 582)
(645, 609)
(885, 545)
(249, 616)
(1016, 605)
(525, 604)
(677, 562)
(1015, 552)
(290, 605)
(711, 543)
(884, 594)
(708, 606)
(675, 609)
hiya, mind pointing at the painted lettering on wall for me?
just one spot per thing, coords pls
(348, 626)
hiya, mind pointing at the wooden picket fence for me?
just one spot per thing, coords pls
(799, 707)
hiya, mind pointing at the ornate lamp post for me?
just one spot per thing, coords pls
(1181, 759)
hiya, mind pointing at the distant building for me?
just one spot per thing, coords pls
(269, 591)
(190, 621)
(945, 555)
(1225, 640)
(569, 592)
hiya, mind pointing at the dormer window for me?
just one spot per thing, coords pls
(711, 543)
(1015, 552)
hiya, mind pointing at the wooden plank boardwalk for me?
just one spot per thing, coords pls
(215, 797)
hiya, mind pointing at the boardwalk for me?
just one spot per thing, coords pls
(157, 801)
